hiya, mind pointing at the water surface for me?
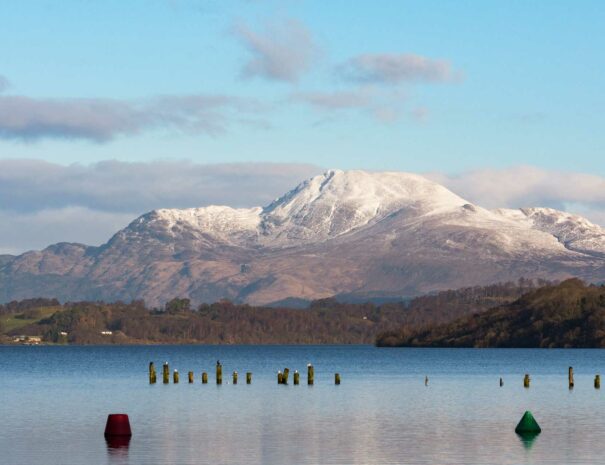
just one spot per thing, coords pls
(55, 400)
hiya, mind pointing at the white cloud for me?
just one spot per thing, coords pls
(100, 120)
(42, 203)
(527, 186)
(283, 52)
(392, 68)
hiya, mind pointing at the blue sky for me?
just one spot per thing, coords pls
(446, 87)
(529, 90)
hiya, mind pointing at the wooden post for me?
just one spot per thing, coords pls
(570, 376)
(166, 373)
(235, 377)
(597, 382)
(280, 377)
(337, 378)
(296, 378)
(426, 380)
(204, 378)
(175, 377)
(501, 382)
(526, 381)
(286, 374)
(310, 374)
(219, 373)
(190, 377)
(249, 378)
(152, 374)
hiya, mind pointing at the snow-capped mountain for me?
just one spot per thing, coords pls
(339, 232)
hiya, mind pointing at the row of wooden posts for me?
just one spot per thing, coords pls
(527, 379)
(282, 377)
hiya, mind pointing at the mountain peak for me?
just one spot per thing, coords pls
(337, 202)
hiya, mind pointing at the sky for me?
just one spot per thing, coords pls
(110, 109)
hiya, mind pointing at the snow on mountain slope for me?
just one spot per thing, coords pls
(571, 231)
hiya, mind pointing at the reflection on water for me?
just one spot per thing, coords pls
(528, 439)
(54, 408)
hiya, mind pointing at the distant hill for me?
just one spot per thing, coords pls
(570, 314)
(349, 233)
(325, 321)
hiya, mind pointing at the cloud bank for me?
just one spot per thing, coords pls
(100, 120)
(42, 203)
(528, 186)
(283, 52)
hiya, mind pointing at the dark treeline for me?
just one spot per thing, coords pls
(569, 314)
(325, 321)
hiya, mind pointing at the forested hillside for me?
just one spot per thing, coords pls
(570, 314)
(326, 321)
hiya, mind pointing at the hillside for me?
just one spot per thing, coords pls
(340, 233)
(325, 321)
(570, 314)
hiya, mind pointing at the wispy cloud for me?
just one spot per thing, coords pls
(390, 68)
(4, 84)
(528, 186)
(385, 107)
(282, 52)
(42, 203)
(100, 120)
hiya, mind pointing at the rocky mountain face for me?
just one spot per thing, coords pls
(341, 232)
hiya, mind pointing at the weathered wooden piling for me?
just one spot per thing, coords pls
(166, 373)
(337, 378)
(286, 375)
(204, 378)
(280, 377)
(235, 377)
(296, 378)
(570, 377)
(219, 373)
(175, 377)
(501, 382)
(249, 377)
(152, 373)
(190, 374)
(526, 381)
(310, 375)
(597, 382)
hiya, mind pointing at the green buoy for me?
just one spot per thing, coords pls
(528, 425)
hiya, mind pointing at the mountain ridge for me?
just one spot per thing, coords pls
(338, 232)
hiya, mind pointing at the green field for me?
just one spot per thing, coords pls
(12, 322)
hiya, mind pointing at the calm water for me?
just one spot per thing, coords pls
(55, 400)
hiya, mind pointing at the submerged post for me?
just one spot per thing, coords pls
(570, 376)
(426, 380)
(285, 376)
(296, 378)
(219, 373)
(501, 382)
(337, 378)
(175, 377)
(526, 381)
(235, 377)
(597, 382)
(310, 374)
(166, 373)
(190, 374)
(152, 374)
(204, 378)
(280, 377)
(249, 378)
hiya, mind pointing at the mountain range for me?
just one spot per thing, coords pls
(342, 232)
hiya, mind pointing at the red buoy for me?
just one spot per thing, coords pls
(117, 425)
